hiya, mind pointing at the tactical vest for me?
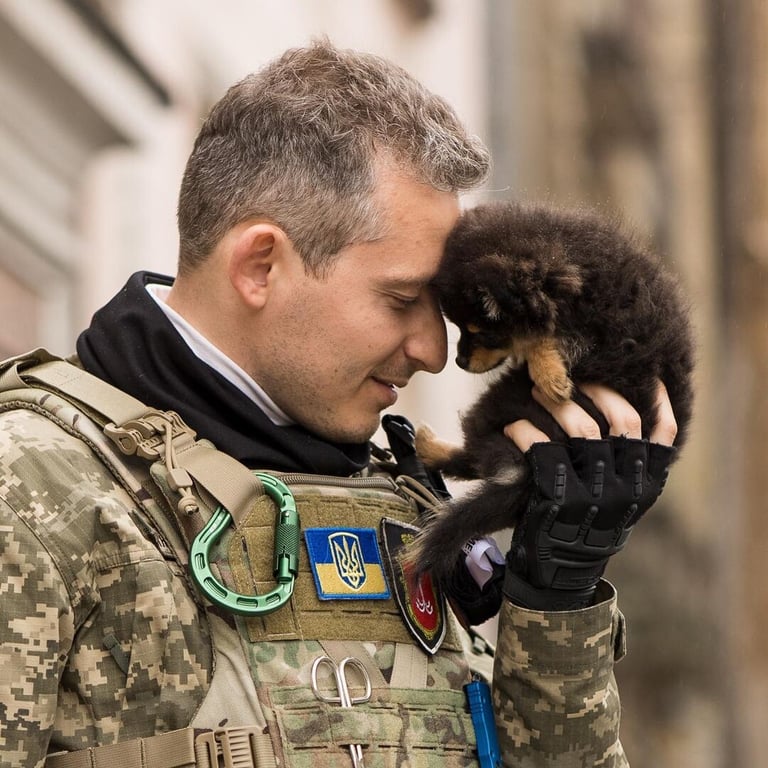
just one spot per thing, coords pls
(353, 611)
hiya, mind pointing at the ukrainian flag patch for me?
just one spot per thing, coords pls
(346, 563)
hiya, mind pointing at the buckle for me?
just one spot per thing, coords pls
(228, 748)
(146, 437)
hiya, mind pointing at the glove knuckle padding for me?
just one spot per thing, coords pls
(588, 495)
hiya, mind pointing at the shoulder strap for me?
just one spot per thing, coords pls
(42, 369)
(139, 430)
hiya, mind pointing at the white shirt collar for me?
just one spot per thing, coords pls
(214, 357)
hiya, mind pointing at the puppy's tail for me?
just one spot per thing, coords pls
(492, 507)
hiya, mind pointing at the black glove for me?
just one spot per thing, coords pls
(472, 603)
(587, 497)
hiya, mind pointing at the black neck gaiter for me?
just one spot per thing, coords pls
(132, 345)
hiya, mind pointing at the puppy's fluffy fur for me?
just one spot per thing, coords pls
(562, 298)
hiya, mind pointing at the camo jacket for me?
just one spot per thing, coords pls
(104, 638)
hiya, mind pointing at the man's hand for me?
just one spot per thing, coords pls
(589, 493)
(623, 419)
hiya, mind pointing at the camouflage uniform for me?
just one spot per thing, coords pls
(554, 692)
(104, 638)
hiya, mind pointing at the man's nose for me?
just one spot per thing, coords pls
(427, 344)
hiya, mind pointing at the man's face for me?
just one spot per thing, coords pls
(339, 347)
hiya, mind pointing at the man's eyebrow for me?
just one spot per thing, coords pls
(408, 281)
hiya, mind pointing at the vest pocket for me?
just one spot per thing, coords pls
(399, 726)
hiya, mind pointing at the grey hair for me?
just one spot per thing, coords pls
(296, 144)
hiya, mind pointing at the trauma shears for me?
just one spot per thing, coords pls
(343, 695)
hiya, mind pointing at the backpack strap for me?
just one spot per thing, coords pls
(42, 369)
(142, 431)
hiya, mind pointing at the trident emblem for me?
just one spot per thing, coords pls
(348, 558)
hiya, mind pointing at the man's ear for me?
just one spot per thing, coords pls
(252, 258)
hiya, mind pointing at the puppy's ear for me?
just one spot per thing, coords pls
(491, 307)
(563, 281)
(524, 292)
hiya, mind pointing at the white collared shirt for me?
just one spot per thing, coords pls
(213, 356)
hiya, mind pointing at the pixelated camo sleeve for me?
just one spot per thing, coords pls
(35, 635)
(100, 638)
(554, 691)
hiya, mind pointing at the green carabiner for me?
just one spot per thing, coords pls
(286, 564)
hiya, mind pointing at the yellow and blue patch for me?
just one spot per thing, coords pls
(346, 563)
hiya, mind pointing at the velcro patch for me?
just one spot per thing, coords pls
(421, 602)
(346, 563)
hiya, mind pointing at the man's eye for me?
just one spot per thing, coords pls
(404, 301)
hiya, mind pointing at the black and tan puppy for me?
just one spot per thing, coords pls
(563, 299)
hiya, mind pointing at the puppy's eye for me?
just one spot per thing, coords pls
(488, 339)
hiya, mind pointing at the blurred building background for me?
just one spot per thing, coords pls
(653, 110)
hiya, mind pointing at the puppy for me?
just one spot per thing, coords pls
(562, 299)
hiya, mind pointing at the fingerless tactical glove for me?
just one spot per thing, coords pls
(588, 496)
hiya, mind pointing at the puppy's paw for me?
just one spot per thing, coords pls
(548, 371)
(557, 388)
(433, 451)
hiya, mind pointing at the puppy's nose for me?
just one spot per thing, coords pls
(462, 361)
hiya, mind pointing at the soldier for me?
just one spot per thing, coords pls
(312, 216)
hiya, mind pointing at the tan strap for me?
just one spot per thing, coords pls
(241, 747)
(10, 369)
(410, 667)
(78, 384)
(341, 649)
(175, 749)
(223, 477)
(226, 479)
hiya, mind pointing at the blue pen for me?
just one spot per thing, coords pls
(478, 694)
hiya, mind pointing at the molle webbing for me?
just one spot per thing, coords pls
(359, 503)
(417, 708)
(418, 728)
